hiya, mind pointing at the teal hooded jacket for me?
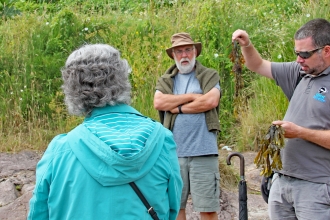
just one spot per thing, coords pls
(81, 177)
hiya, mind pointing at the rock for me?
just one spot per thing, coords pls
(18, 209)
(17, 179)
(8, 192)
(10, 164)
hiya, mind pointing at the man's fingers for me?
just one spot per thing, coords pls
(277, 122)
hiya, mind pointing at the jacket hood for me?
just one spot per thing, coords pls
(107, 166)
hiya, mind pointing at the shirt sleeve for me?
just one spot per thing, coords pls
(287, 76)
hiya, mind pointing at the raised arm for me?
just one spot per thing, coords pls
(253, 60)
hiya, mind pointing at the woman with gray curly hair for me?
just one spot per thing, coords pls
(85, 174)
(95, 76)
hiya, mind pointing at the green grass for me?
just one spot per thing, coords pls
(266, 103)
(36, 41)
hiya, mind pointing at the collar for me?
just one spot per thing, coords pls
(113, 109)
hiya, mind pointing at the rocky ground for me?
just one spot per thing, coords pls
(17, 178)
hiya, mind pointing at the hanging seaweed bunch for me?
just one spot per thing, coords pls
(268, 157)
(237, 59)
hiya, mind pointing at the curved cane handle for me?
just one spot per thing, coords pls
(242, 164)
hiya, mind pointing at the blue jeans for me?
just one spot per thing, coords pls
(291, 199)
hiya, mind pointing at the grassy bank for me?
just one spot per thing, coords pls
(37, 36)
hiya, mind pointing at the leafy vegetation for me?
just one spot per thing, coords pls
(268, 157)
(36, 36)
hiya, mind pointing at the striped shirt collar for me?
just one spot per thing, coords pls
(110, 109)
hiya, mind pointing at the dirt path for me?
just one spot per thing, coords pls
(17, 177)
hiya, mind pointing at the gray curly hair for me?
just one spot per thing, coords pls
(95, 76)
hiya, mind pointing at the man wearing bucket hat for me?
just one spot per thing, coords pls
(188, 95)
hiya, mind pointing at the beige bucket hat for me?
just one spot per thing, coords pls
(181, 39)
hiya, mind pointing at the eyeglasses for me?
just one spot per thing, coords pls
(307, 54)
(187, 51)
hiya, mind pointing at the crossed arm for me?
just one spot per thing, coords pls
(191, 103)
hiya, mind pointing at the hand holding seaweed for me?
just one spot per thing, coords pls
(269, 157)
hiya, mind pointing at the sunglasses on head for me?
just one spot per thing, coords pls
(307, 54)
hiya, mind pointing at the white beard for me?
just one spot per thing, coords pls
(185, 68)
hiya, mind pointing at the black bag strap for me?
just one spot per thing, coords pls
(150, 209)
(161, 116)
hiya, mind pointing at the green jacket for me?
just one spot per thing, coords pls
(207, 78)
